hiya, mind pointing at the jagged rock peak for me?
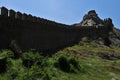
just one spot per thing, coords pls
(91, 14)
(91, 19)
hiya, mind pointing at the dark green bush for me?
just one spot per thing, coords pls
(3, 66)
(4, 55)
(75, 63)
(30, 58)
(46, 77)
(63, 64)
(68, 64)
(28, 63)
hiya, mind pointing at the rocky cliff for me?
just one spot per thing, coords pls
(92, 19)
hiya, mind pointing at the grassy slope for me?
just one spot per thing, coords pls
(91, 63)
(96, 67)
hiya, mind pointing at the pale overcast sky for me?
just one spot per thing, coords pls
(66, 11)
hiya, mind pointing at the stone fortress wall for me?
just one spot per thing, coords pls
(30, 32)
(23, 16)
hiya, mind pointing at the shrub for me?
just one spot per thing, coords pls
(68, 64)
(64, 64)
(30, 58)
(4, 54)
(74, 62)
(3, 66)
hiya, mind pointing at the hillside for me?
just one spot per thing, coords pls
(73, 63)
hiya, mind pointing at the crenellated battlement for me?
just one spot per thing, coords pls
(26, 17)
(18, 15)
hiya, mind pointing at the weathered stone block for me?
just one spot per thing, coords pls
(30, 17)
(24, 16)
(12, 13)
(4, 11)
(34, 19)
(18, 15)
(38, 19)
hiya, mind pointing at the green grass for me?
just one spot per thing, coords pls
(72, 63)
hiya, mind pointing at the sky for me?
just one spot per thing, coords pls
(66, 11)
